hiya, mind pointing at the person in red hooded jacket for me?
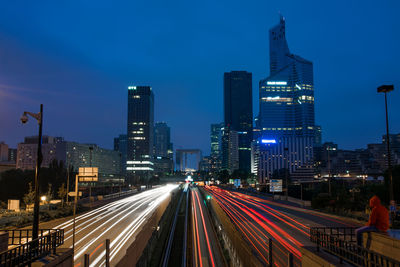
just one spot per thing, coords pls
(378, 219)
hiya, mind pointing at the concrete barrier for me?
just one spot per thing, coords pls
(135, 250)
(241, 254)
(303, 203)
(3, 241)
(311, 258)
(382, 244)
(64, 257)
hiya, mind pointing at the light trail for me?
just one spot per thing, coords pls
(205, 231)
(118, 221)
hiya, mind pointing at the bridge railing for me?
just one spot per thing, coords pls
(27, 251)
(341, 242)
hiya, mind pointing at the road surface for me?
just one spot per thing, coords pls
(119, 221)
(259, 219)
(205, 245)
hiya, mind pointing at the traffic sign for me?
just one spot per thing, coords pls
(72, 194)
(275, 185)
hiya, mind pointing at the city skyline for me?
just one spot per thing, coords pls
(32, 69)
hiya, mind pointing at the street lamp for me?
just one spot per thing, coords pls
(385, 89)
(39, 118)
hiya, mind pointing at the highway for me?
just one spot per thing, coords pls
(259, 219)
(205, 245)
(119, 221)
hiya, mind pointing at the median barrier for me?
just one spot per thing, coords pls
(135, 250)
(240, 252)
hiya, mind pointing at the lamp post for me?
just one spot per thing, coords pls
(39, 118)
(286, 172)
(385, 89)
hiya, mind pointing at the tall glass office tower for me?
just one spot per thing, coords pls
(238, 112)
(140, 132)
(286, 114)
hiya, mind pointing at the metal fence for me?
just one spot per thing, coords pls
(341, 242)
(21, 236)
(28, 251)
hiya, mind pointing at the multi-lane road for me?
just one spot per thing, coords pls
(119, 221)
(259, 219)
(206, 250)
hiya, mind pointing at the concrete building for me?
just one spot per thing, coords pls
(73, 154)
(27, 152)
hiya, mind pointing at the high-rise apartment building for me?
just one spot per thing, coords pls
(140, 162)
(286, 116)
(238, 112)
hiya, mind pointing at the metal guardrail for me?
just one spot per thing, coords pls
(21, 236)
(27, 252)
(341, 242)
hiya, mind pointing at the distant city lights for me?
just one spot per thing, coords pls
(268, 141)
(277, 83)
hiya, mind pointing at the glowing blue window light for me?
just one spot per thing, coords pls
(268, 141)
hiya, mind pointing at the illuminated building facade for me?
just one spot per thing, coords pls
(163, 149)
(286, 116)
(216, 154)
(238, 112)
(140, 164)
(230, 150)
(121, 145)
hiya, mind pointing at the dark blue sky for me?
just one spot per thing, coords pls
(78, 57)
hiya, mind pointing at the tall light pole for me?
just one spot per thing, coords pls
(386, 89)
(39, 118)
(286, 172)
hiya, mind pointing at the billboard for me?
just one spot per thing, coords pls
(275, 185)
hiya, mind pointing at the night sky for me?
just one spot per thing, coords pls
(78, 58)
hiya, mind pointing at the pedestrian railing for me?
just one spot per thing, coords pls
(341, 242)
(21, 236)
(27, 252)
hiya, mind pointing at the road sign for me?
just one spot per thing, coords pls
(88, 174)
(72, 194)
(275, 185)
(236, 183)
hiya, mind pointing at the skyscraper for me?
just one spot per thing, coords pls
(238, 112)
(163, 150)
(121, 145)
(162, 139)
(286, 109)
(216, 154)
(230, 150)
(140, 132)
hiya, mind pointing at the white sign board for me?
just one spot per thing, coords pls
(13, 204)
(72, 194)
(275, 185)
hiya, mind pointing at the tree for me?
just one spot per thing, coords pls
(224, 176)
(49, 194)
(30, 196)
(62, 192)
